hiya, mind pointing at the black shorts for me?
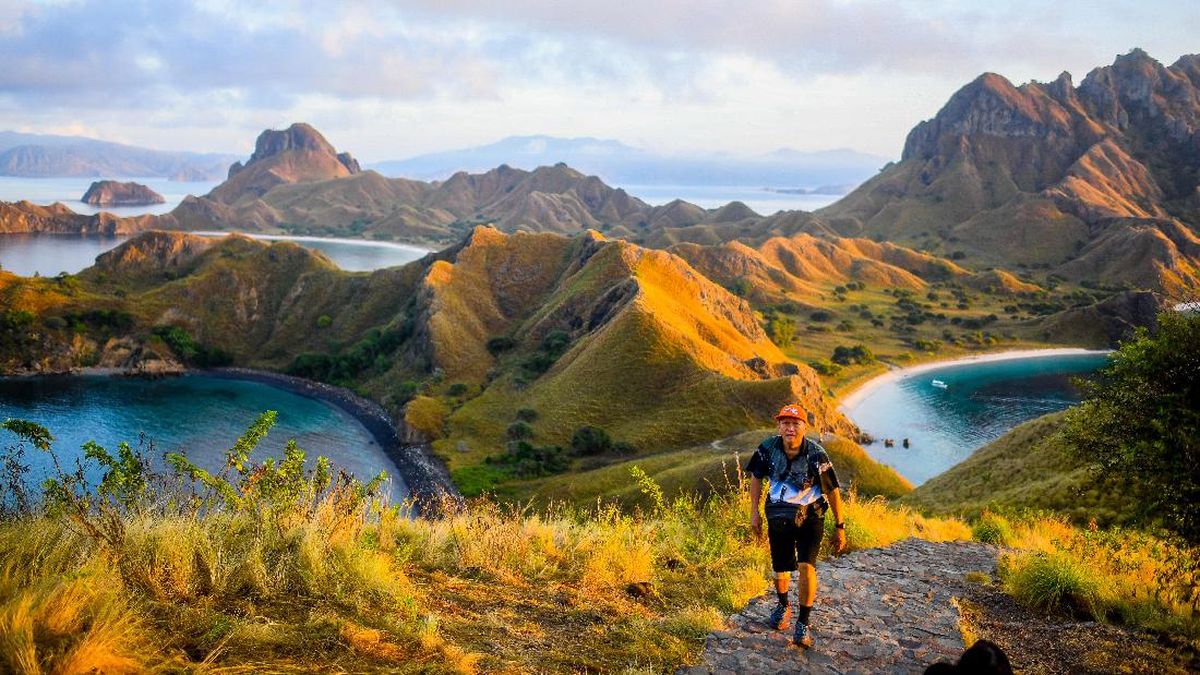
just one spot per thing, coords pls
(791, 543)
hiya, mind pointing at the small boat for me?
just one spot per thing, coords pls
(939, 384)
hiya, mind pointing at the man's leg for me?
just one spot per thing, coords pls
(806, 590)
(807, 545)
(783, 561)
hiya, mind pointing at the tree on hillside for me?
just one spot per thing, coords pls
(1141, 421)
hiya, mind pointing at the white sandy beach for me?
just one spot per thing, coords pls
(853, 398)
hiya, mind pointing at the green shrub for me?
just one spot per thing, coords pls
(1140, 420)
(992, 529)
(850, 355)
(527, 414)
(782, 330)
(1053, 582)
(825, 367)
(189, 351)
(519, 430)
(553, 345)
(590, 441)
(324, 321)
(524, 460)
(498, 345)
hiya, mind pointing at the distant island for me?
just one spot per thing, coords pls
(115, 193)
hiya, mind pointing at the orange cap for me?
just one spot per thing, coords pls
(791, 411)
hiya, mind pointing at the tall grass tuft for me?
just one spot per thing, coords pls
(873, 523)
(1054, 582)
(992, 528)
(1127, 576)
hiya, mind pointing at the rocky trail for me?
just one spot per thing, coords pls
(885, 610)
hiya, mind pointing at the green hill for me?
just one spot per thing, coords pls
(710, 468)
(1026, 468)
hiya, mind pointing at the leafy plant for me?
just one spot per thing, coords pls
(1140, 420)
(590, 441)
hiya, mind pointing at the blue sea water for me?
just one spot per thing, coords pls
(50, 254)
(764, 202)
(196, 415)
(46, 191)
(981, 401)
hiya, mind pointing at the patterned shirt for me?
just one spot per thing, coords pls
(805, 480)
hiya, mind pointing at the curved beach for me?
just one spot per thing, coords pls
(853, 398)
(424, 475)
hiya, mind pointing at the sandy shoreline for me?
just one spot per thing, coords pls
(853, 398)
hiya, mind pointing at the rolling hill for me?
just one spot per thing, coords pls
(582, 330)
(1027, 468)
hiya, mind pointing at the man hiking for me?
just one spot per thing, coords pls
(803, 486)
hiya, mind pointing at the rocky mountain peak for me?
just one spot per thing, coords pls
(294, 155)
(299, 136)
(989, 106)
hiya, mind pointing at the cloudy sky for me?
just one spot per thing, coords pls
(390, 79)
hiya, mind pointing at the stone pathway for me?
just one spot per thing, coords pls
(885, 610)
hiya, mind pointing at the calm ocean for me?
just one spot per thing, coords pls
(197, 415)
(981, 401)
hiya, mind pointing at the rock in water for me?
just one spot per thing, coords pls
(113, 193)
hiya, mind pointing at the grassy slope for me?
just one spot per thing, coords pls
(267, 584)
(1025, 468)
(657, 357)
(710, 468)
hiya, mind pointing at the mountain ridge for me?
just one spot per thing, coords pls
(1048, 174)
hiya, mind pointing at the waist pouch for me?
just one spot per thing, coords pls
(814, 510)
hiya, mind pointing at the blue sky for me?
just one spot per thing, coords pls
(392, 79)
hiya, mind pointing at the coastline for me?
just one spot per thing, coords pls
(862, 391)
(424, 475)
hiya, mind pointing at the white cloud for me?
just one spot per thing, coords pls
(402, 77)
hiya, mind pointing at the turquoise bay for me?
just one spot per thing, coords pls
(197, 415)
(981, 401)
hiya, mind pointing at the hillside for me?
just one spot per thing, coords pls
(1027, 468)
(1095, 183)
(574, 331)
(22, 217)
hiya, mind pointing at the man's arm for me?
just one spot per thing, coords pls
(839, 533)
(755, 502)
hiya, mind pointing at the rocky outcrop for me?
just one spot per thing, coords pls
(298, 154)
(114, 193)
(22, 217)
(1034, 175)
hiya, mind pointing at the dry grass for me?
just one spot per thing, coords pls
(484, 588)
(1126, 576)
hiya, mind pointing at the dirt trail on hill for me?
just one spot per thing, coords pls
(885, 610)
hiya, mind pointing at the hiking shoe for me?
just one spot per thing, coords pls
(781, 616)
(802, 637)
